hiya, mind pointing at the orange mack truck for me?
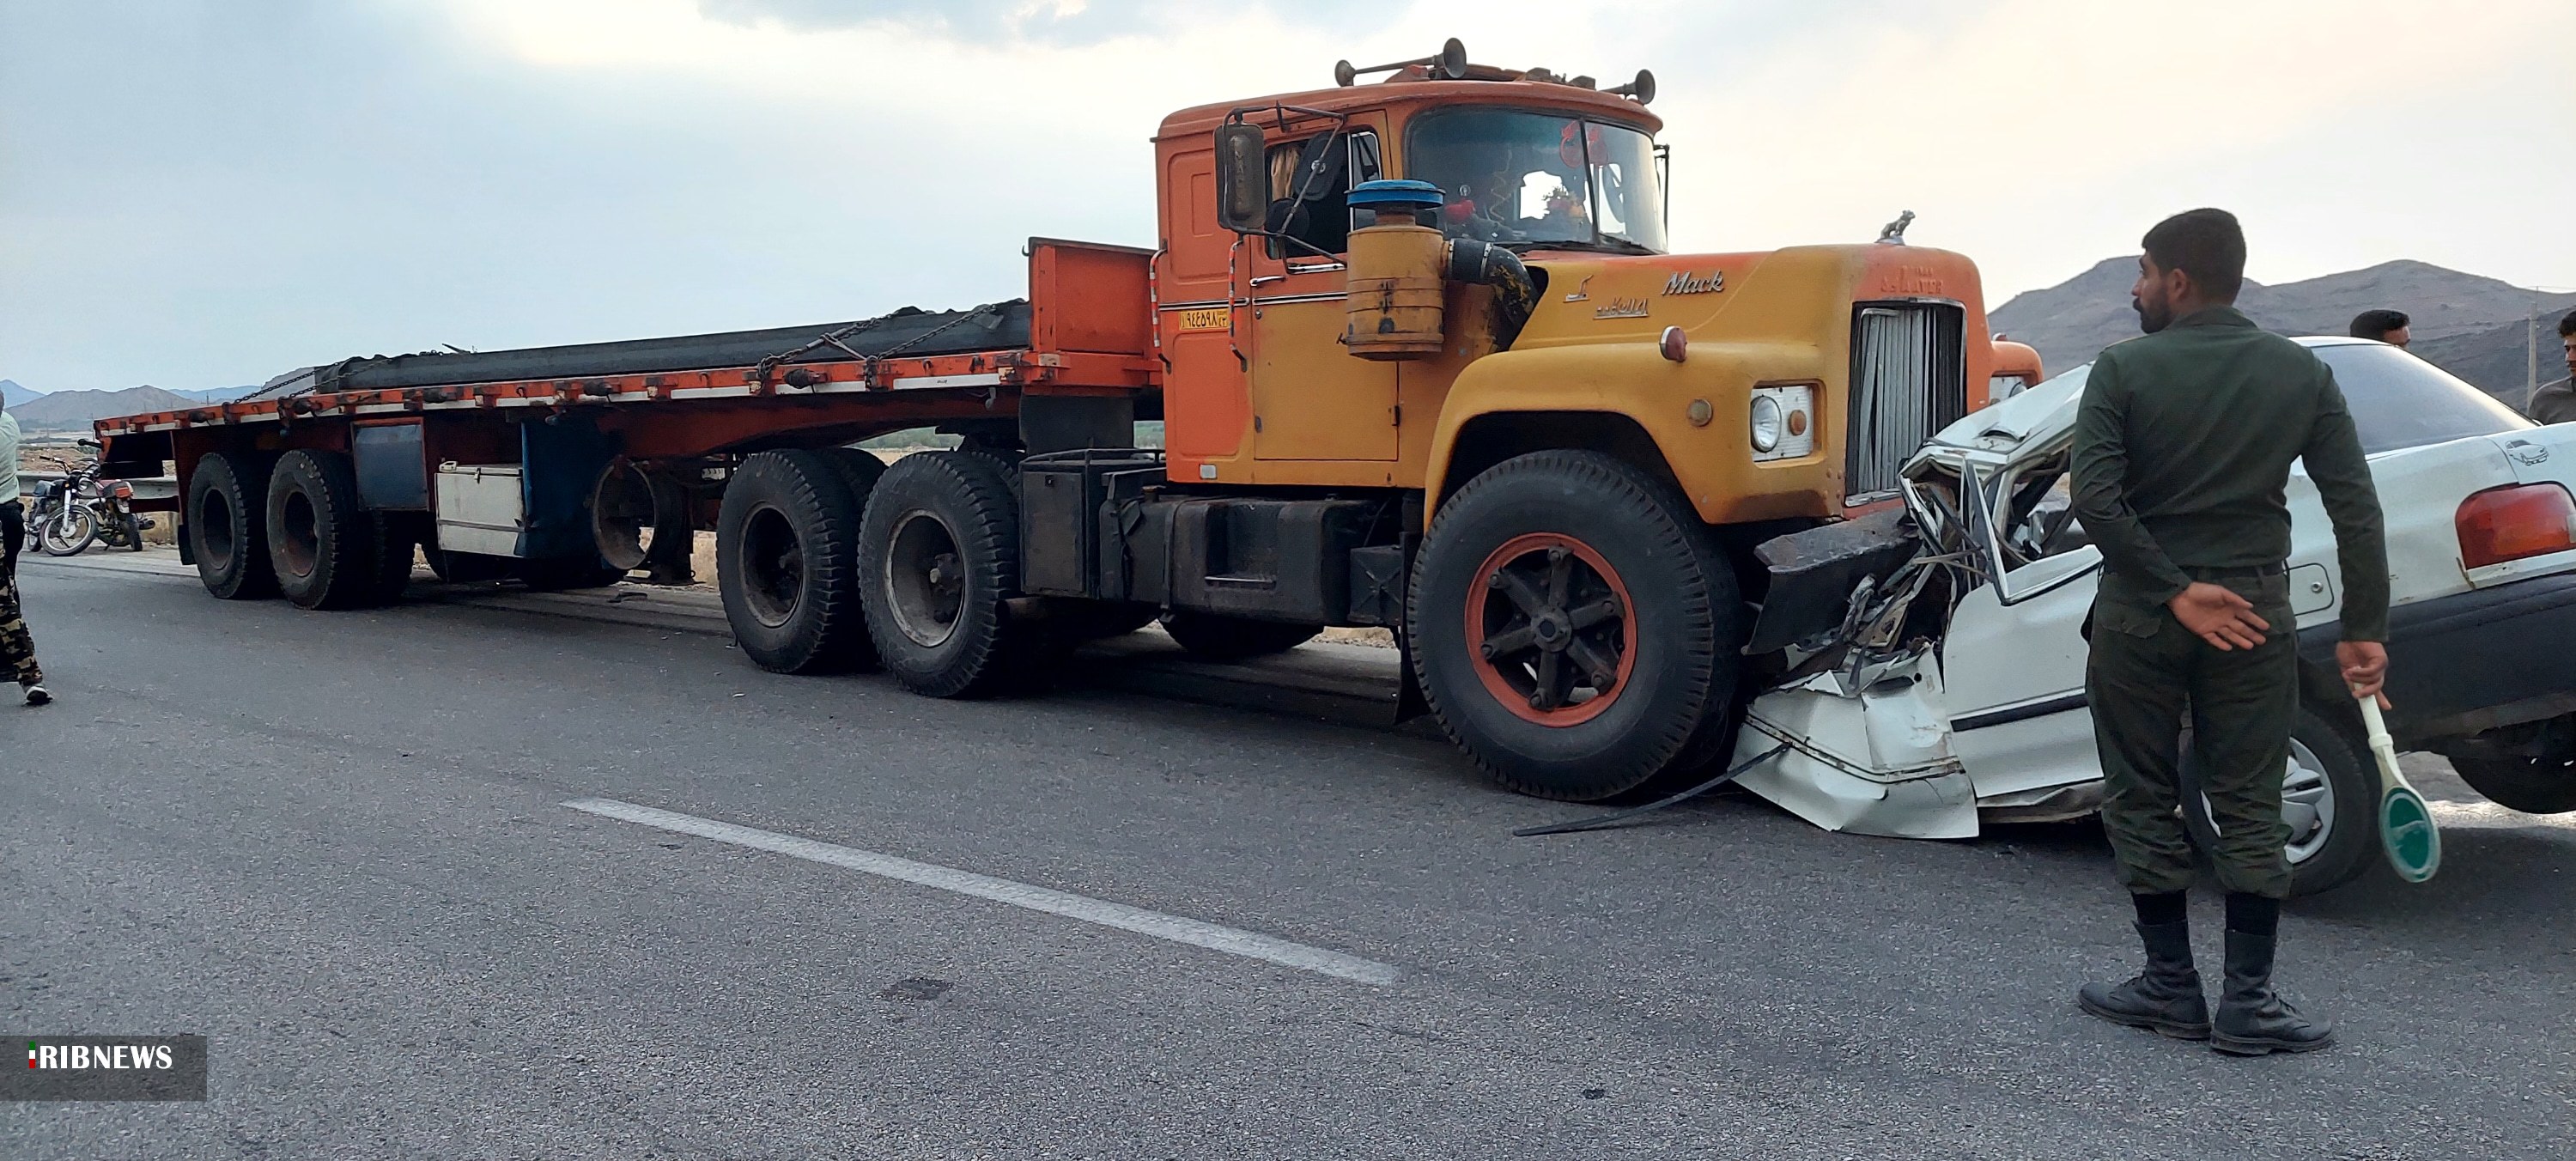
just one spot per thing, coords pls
(1423, 358)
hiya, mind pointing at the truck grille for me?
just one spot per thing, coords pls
(1908, 380)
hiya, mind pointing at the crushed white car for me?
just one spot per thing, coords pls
(1931, 667)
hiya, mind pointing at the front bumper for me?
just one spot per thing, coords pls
(2475, 661)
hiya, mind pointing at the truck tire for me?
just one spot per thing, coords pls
(940, 551)
(786, 563)
(1561, 572)
(397, 534)
(859, 468)
(2530, 768)
(2330, 797)
(321, 543)
(228, 526)
(1217, 637)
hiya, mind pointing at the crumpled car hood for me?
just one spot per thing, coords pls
(2035, 424)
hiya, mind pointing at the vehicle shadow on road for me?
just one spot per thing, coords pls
(2494, 877)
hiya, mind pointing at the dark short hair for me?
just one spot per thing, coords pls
(2371, 324)
(2567, 325)
(2206, 244)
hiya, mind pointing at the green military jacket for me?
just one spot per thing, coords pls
(2182, 456)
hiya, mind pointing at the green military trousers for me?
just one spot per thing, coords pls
(2146, 677)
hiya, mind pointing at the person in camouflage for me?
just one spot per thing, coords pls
(17, 649)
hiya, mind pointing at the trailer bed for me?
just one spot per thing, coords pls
(1086, 326)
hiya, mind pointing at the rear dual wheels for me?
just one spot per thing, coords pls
(787, 563)
(292, 525)
(939, 556)
(326, 550)
(1573, 628)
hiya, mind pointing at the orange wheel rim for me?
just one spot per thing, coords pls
(1550, 629)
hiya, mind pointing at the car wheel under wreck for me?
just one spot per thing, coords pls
(2530, 768)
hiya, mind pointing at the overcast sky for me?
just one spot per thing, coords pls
(200, 193)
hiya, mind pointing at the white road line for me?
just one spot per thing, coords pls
(1230, 940)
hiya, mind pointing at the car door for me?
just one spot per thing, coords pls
(2012, 668)
(2012, 659)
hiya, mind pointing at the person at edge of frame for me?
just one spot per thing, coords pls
(17, 649)
(2386, 326)
(2556, 402)
(2183, 446)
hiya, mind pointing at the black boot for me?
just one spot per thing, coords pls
(2252, 1018)
(2166, 998)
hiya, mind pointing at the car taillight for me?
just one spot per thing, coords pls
(2511, 523)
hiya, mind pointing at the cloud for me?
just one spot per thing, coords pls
(991, 21)
(260, 186)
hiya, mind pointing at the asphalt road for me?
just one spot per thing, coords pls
(338, 846)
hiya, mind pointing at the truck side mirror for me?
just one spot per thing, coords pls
(1242, 179)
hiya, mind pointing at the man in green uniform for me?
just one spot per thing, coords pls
(2182, 450)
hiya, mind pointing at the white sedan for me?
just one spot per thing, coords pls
(1929, 671)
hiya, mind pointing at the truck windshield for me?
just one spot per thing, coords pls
(1511, 176)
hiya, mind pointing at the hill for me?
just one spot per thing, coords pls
(218, 394)
(11, 394)
(76, 410)
(2469, 325)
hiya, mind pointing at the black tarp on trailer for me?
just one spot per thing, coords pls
(907, 332)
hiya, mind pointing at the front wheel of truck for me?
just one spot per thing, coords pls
(787, 563)
(1572, 627)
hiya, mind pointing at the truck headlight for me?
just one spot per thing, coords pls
(1766, 423)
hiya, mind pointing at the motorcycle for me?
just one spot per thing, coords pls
(72, 513)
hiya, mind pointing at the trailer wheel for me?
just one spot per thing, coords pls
(397, 533)
(786, 565)
(859, 468)
(940, 552)
(321, 543)
(228, 526)
(1217, 637)
(1572, 628)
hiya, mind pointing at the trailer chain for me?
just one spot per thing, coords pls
(868, 372)
(1598, 821)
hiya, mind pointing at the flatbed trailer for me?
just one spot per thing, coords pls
(1423, 359)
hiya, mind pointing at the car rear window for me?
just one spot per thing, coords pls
(2400, 401)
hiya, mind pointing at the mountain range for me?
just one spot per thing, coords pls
(2472, 326)
(2468, 325)
(76, 410)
